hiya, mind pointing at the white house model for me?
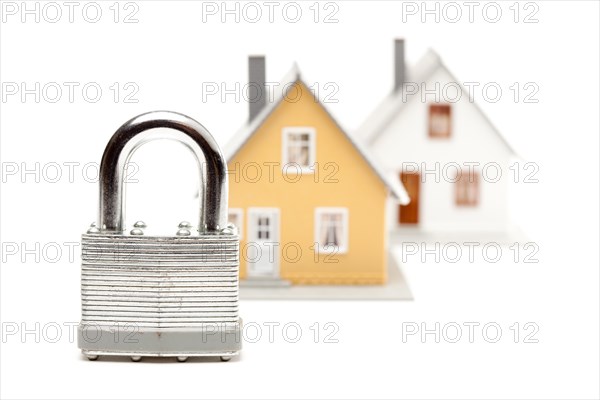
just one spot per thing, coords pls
(447, 154)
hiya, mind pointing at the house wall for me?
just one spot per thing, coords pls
(406, 140)
(358, 188)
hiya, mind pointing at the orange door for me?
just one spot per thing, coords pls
(409, 214)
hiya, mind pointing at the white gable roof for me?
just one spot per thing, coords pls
(393, 103)
(249, 128)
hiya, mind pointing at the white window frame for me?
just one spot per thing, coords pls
(239, 213)
(449, 117)
(253, 212)
(343, 248)
(472, 184)
(312, 133)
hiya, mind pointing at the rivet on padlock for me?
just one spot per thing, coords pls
(162, 296)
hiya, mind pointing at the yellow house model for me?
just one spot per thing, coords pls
(309, 203)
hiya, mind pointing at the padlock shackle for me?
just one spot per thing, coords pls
(136, 132)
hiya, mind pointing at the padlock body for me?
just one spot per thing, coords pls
(160, 296)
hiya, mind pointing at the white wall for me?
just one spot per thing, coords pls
(406, 140)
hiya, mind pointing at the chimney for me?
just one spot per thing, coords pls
(399, 68)
(257, 93)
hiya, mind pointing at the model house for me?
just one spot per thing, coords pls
(446, 153)
(310, 204)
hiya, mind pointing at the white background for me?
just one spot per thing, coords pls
(168, 54)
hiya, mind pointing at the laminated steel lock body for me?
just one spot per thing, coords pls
(164, 296)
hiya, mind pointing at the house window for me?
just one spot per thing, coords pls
(298, 149)
(331, 230)
(263, 228)
(236, 217)
(467, 189)
(439, 121)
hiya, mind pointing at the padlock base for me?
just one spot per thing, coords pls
(181, 357)
(209, 340)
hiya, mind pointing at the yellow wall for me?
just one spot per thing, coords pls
(358, 188)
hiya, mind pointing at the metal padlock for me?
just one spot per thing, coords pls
(162, 296)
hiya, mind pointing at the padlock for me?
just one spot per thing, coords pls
(161, 296)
